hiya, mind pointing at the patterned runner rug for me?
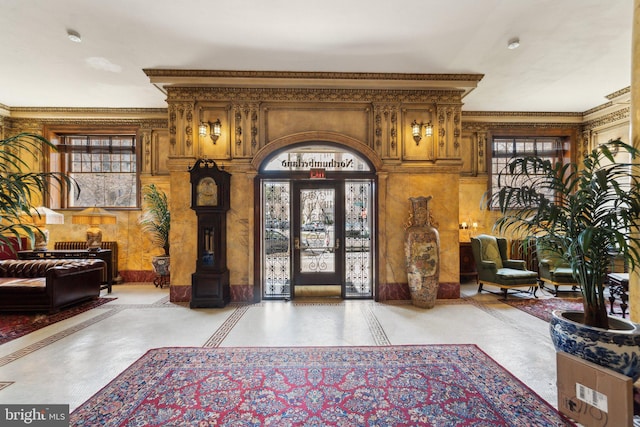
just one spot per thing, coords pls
(436, 385)
(543, 307)
(15, 325)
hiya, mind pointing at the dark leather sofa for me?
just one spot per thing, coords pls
(48, 285)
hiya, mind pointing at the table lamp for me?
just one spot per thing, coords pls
(94, 217)
(40, 217)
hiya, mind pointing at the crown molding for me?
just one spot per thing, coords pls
(517, 117)
(4, 111)
(87, 113)
(164, 78)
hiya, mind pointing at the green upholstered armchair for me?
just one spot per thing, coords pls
(553, 269)
(496, 269)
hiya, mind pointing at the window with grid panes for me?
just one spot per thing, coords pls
(104, 167)
(506, 149)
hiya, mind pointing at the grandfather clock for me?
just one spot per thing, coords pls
(210, 198)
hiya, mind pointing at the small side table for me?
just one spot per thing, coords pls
(161, 281)
(467, 262)
(619, 286)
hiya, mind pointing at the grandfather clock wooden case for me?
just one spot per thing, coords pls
(210, 198)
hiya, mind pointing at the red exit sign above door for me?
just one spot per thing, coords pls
(316, 173)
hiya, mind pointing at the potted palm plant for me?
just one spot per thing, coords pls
(156, 220)
(20, 186)
(582, 213)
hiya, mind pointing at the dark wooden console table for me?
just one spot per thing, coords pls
(103, 254)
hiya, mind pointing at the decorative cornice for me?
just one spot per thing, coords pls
(87, 113)
(167, 78)
(487, 125)
(618, 93)
(234, 94)
(302, 75)
(486, 119)
(159, 123)
(520, 114)
(612, 117)
(4, 110)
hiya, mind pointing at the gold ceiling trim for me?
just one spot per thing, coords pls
(86, 113)
(547, 114)
(164, 78)
(207, 94)
(618, 93)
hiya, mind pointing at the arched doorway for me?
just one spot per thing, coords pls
(316, 228)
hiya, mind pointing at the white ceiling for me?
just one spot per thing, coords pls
(572, 54)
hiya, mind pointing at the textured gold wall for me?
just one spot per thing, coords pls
(450, 167)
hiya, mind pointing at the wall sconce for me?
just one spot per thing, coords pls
(215, 127)
(416, 130)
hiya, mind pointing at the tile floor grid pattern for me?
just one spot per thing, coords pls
(5, 360)
(221, 333)
(378, 321)
(379, 336)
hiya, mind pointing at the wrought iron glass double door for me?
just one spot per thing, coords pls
(317, 234)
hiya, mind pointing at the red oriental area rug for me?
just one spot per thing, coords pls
(436, 385)
(543, 307)
(16, 325)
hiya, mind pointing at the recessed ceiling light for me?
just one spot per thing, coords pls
(514, 43)
(74, 36)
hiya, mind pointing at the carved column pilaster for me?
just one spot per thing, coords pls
(456, 132)
(146, 150)
(482, 151)
(449, 131)
(584, 144)
(181, 128)
(246, 131)
(385, 141)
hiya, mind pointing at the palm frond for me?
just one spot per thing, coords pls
(19, 186)
(587, 211)
(156, 218)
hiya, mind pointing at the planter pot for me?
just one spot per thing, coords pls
(616, 348)
(161, 265)
(422, 252)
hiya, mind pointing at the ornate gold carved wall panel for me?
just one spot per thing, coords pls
(154, 149)
(349, 119)
(160, 147)
(425, 148)
(245, 132)
(209, 113)
(468, 144)
(386, 119)
(449, 130)
(182, 128)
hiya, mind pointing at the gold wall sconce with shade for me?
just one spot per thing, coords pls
(468, 229)
(214, 128)
(94, 217)
(416, 130)
(467, 225)
(40, 217)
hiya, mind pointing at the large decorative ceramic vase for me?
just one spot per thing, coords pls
(616, 348)
(161, 265)
(422, 251)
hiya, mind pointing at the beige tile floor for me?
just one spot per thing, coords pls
(67, 362)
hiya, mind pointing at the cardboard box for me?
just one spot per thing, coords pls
(592, 395)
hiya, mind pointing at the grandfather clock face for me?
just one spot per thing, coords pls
(207, 192)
